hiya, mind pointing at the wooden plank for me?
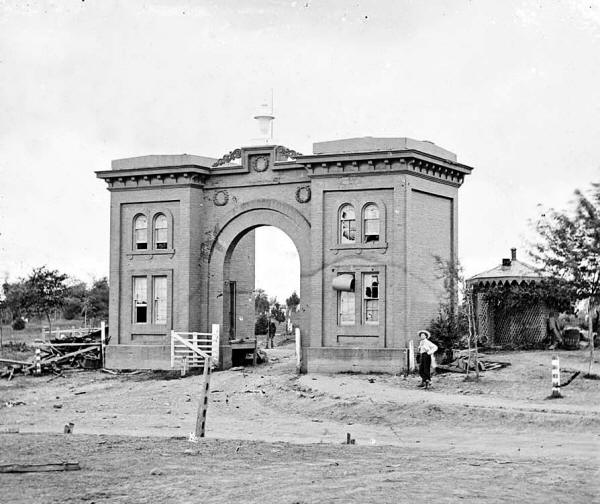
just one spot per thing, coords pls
(21, 468)
(66, 356)
(18, 362)
(67, 344)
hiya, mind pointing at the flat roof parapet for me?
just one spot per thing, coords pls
(162, 161)
(374, 144)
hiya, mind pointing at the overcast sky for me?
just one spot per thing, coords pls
(512, 87)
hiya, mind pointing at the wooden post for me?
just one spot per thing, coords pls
(411, 356)
(591, 334)
(203, 406)
(102, 340)
(172, 349)
(215, 343)
(471, 331)
(298, 351)
(472, 317)
(184, 365)
(555, 377)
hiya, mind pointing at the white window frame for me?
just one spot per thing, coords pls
(138, 231)
(164, 244)
(137, 304)
(341, 221)
(364, 223)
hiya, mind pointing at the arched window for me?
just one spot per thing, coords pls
(140, 227)
(347, 224)
(371, 223)
(160, 231)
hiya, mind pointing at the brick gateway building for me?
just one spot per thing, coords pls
(368, 216)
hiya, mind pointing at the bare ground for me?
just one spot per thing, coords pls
(276, 437)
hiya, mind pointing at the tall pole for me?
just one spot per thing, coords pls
(272, 113)
(591, 334)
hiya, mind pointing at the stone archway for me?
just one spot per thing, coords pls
(214, 203)
(231, 230)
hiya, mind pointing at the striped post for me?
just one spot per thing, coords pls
(555, 377)
(38, 361)
(203, 406)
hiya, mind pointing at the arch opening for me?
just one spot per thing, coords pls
(260, 251)
(261, 289)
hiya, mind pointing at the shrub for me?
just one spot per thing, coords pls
(448, 330)
(262, 324)
(18, 324)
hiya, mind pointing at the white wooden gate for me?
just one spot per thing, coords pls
(189, 348)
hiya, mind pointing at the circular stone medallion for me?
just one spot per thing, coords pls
(303, 194)
(260, 163)
(221, 198)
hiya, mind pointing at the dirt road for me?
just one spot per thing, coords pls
(459, 431)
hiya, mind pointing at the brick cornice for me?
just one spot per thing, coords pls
(377, 163)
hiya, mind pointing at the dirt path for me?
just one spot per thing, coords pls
(502, 418)
(119, 469)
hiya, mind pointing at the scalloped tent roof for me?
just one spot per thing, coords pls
(509, 271)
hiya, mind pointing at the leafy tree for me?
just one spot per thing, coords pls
(73, 306)
(293, 301)
(14, 298)
(96, 302)
(277, 311)
(568, 247)
(45, 292)
(450, 326)
(261, 302)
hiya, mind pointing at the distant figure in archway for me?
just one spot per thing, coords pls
(271, 334)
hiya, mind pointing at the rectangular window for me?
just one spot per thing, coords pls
(371, 298)
(141, 239)
(160, 299)
(371, 230)
(348, 231)
(346, 308)
(161, 238)
(140, 300)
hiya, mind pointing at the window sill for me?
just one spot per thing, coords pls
(149, 329)
(359, 247)
(150, 253)
(358, 330)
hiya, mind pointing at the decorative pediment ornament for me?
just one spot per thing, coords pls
(221, 198)
(259, 163)
(303, 194)
(284, 152)
(228, 158)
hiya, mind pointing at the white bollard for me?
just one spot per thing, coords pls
(38, 361)
(555, 377)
